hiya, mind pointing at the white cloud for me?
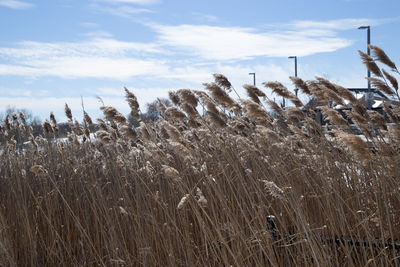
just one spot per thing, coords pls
(139, 2)
(98, 34)
(96, 58)
(238, 43)
(340, 24)
(15, 4)
(122, 10)
(85, 67)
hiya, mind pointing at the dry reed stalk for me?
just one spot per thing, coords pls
(7, 122)
(221, 97)
(392, 80)
(22, 117)
(171, 173)
(299, 83)
(369, 62)
(256, 112)
(183, 202)
(128, 132)
(161, 106)
(273, 189)
(393, 113)
(382, 57)
(254, 93)
(281, 90)
(48, 129)
(356, 145)
(68, 112)
(174, 113)
(133, 103)
(201, 199)
(188, 97)
(377, 119)
(334, 117)
(174, 97)
(216, 119)
(276, 108)
(87, 118)
(172, 132)
(265, 132)
(381, 86)
(112, 114)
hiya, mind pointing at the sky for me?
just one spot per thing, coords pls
(54, 52)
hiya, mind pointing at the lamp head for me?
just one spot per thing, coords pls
(363, 27)
(292, 57)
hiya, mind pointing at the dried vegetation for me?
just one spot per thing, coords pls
(197, 189)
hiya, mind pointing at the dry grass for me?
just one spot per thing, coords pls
(192, 190)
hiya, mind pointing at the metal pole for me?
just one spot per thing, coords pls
(369, 53)
(369, 73)
(295, 71)
(254, 77)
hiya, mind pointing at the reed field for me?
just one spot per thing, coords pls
(218, 180)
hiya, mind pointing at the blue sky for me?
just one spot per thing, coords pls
(62, 51)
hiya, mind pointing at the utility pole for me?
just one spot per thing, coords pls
(369, 53)
(295, 71)
(254, 77)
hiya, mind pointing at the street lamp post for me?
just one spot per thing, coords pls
(295, 71)
(369, 53)
(254, 77)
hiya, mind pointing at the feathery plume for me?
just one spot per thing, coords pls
(356, 144)
(87, 118)
(7, 122)
(253, 92)
(392, 80)
(47, 127)
(102, 124)
(219, 95)
(171, 173)
(281, 90)
(370, 64)
(381, 85)
(256, 112)
(273, 189)
(22, 117)
(188, 97)
(112, 114)
(183, 201)
(161, 106)
(222, 81)
(334, 116)
(276, 108)
(381, 56)
(393, 113)
(174, 97)
(200, 198)
(174, 113)
(38, 170)
(216, 119)
(128, 132)
(133, 103)
(68, 112)
(299, 83)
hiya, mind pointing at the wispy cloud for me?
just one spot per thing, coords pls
(96, 58)
(202, 18)
(340, 24)
(121, 10)
(238, 43)
(15, 4)
(139, 2)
